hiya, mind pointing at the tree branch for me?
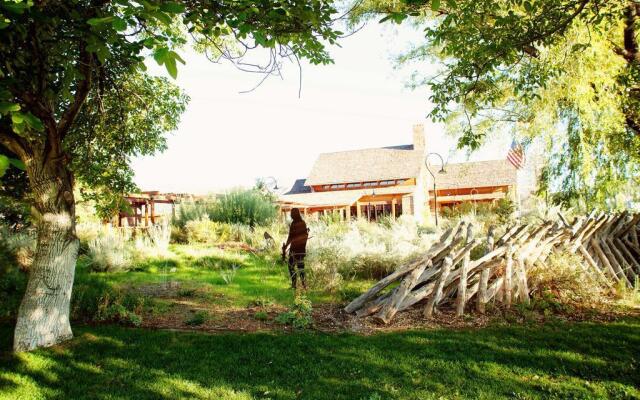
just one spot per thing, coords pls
(15, 144)
(85, 66)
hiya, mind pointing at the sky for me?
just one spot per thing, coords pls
(228, 139)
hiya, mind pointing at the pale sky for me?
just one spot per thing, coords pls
(227, 139)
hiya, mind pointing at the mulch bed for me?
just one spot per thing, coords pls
(331, 318)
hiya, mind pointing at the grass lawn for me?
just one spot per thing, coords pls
(561, 361)
(200, 266)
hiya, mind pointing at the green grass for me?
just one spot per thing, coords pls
(523, 362)
(258, 277)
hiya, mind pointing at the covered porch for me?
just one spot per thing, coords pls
(351, 204)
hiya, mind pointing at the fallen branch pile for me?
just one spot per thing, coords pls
(607, 243)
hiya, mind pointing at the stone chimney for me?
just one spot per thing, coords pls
(419, 142)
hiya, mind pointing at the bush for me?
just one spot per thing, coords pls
(299, 315)
(197, 318)
(110, 251)
(193, 211)
(17, 247)
(561, 283)
(246, 207)
(93, 300)
(362, 249)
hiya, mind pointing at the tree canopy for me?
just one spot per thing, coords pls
(76, 103)
(564, 70)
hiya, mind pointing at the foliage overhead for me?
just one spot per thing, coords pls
(73, 85)
(564, 70)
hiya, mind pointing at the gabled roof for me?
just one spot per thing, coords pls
(299, 187)
(477, 174)
(366, 165)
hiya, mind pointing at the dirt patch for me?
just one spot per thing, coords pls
(331, 318)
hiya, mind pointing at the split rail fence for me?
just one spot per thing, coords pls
(607, 244)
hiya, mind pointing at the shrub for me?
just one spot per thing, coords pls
(362, 249)
(13, 282)
(93, 300)
(110, 251)
(153, 241)
(17, 247)
(246, 207)
(193, 211)
(299, 314)
(261, 316)
(561, 282)
(197, 318)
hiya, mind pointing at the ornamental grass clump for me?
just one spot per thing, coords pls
(362, 249)
(110, 251)
(562, 282)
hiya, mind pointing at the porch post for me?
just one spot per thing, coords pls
(358, 210)
(393, 207)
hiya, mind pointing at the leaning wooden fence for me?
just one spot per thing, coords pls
(606, 243)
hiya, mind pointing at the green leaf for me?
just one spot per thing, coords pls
(177, 57)
(100, 21)
(119, 24)
(172, 69)
(4, 164)
(162, 17)
(16, 8)
(34, 122)
(435, 5)
(4, 22)
(17, 117)
(6, 107)
(172, 7)
(18, 164)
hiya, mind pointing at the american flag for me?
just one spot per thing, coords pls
(516, 155)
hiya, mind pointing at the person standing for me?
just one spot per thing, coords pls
(297, 244)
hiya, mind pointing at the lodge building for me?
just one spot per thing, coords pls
(392, 181)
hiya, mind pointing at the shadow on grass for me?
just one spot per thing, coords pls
(560, 361)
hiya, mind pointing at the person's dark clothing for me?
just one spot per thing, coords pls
(297, 242)
(298, 235)
(297, 260)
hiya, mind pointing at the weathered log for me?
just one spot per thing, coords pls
(507, 276)
(616, 259)
(435, 298)
(622, 248)
(484, 274)
(391, 307)
(591, 262)
(523, 287)
(605, 261)
(397, 274)
(462, 284)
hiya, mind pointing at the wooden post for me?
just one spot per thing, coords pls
(523, 287)
(604, 260)
(347, 213)
(153, 212)
(481, 300)
(437, 293)
(391, 307)
(146, 213)
(394, 203)
(508, 271)
(462, 283)
(614, 262)
(358, 210)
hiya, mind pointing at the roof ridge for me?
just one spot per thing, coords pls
(394, 147)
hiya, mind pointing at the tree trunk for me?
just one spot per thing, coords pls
(43, 316)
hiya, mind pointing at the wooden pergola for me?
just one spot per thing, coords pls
(143, 206)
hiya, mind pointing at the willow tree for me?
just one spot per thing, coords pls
(63, 65)
(566, 70)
